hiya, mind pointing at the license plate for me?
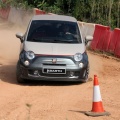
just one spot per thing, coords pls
(54, 71)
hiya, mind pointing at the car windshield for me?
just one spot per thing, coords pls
(51, 31)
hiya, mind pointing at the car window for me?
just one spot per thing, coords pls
(52, 31)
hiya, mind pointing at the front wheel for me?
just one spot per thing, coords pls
(86, 74)
(18, 74)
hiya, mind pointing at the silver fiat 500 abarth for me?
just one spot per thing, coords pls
(52, 48)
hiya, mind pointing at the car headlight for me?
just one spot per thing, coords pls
(30, 55)
(78, 57)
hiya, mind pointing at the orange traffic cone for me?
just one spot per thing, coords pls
(97, 107)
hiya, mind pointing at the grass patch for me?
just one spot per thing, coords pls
(29, 110)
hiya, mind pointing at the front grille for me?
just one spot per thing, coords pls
(54, 64)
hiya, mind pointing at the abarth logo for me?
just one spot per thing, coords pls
(54, 61)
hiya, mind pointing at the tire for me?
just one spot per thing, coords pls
(18, 74)
(86, 74)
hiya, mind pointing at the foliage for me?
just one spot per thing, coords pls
(16, 3)
(2, 4)
(106, 12)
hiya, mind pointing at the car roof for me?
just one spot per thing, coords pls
(54, 17)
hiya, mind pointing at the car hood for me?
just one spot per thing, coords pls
(54, 48)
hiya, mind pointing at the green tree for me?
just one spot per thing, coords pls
(106, 12)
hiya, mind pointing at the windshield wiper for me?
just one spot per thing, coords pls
(61, 41)
(37, 39)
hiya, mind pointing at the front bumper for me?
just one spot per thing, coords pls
(37, 74)
(73, 71)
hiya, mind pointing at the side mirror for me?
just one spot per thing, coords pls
(20, 36)
(88, 38)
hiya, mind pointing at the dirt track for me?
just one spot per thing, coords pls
(53, 100)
